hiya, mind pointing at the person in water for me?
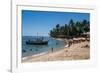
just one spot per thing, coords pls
(30, 49)
(56, 43)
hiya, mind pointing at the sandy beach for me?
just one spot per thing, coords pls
(78, 51)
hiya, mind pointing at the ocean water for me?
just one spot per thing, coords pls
(28, 50)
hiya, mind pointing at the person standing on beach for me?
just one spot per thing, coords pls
(52, 49)
(69, 43)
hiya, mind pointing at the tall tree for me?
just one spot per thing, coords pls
(73, 29)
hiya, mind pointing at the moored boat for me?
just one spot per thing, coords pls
(37, 41)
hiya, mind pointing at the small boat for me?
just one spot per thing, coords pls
(37, 41)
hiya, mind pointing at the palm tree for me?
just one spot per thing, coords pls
(72, 29)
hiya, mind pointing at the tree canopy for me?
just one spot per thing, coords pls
(72, 29)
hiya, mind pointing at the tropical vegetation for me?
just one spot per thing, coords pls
(70, 30)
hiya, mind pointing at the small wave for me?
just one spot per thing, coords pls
(35, 55)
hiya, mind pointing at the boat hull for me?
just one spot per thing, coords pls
(37, 43)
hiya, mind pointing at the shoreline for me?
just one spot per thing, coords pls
(42, 53)
(74, 52)
(35, 55)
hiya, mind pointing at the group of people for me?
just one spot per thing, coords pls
(77, 40)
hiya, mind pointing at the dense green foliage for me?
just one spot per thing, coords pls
(70, 30)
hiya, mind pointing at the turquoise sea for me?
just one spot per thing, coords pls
(28, 50)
